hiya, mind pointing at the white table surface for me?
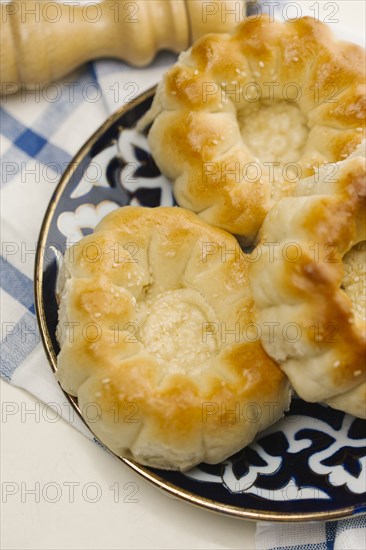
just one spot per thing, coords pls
(35, 449)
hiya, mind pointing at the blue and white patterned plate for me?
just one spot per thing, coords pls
(309, 466)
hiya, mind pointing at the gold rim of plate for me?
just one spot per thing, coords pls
(146, 473)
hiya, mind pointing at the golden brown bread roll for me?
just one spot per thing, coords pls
(242, 117)
(157, 341)
(309, 285)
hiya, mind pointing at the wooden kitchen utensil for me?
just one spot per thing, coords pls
(41, 41)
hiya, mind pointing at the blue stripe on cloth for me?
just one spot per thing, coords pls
(70, 96)
(18, 342)
(358, 522)
(57, 158)
(307, 546)
(332, 530)
(16, 284)
(10, 126)
(30, 142)
(54, 157)
(330, 533)
(93, 71)
(35, 142)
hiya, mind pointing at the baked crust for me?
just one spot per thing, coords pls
(309, 285)
(217, 133)
(147, 303)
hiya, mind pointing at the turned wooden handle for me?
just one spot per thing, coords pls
(42, 41)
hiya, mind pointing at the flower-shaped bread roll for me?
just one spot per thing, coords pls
(242, 117)
(157, 340)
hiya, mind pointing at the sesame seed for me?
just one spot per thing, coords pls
(106, 380)
(357, 373)
(336, 364)
(261, 64)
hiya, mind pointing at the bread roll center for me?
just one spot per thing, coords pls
(354, 279)
(274, 132)
(172, 327)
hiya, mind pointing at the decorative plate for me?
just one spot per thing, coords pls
(309, 466)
